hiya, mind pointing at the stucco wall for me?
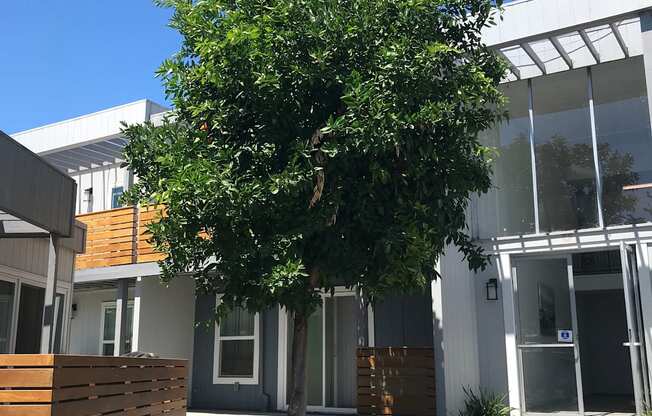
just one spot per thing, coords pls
(85, 323)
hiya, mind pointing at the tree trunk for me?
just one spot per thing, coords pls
(299, 397)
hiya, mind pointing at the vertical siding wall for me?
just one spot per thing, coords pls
(102, 180)
(85, 324)
(491, 334)
(456, 312)
(205, 394)
(31, 255)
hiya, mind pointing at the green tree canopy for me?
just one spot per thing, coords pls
(317, 143)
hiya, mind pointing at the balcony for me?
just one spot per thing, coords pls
(118, 237)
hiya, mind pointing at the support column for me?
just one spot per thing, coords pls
(135, 326)
(48, 329)
(362, 319)
(121, 302)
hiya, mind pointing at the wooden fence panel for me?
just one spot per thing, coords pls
(396, 381)
(69, 385)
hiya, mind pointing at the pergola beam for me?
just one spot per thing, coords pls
(561, 51)
(534, 57)
(589, 44)
(512, 68)
(619, 39)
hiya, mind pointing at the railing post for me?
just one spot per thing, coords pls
(48, 329)
(121, 302)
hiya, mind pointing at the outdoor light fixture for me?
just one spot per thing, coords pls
(492, 289)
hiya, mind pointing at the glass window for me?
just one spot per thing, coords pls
(624, 142)
(508, 209)
(30, 319)
(236, 348)
(564, 152)
(107, 344)
(6, 314)
(116, 193)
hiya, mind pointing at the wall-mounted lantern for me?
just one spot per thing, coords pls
(492, 289)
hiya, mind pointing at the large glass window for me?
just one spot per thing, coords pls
(508, 209)
(624, 142)
(564, 152)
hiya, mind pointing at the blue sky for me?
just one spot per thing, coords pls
(64, 58)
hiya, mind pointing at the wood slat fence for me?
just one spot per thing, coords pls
(146, 216)
(396, 381)
(78, 385)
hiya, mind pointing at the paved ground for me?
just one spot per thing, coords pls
(229, 413)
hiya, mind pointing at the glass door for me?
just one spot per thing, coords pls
(547, 335)
(636, 340)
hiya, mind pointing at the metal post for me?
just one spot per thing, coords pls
(49, 312)
(121, 318)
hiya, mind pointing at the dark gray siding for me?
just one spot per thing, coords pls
(205, 394)
(404, 321)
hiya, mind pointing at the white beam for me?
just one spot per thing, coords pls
(619, 38)
(561, 51)
(512, 68)
(589, 44)
(534, 57)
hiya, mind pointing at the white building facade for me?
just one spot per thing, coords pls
(562, 318)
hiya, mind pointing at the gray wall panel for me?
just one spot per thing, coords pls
(205, 394)
(404, 321)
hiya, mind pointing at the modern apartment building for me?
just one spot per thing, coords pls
(561, 321)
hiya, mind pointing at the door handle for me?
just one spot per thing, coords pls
(631, 344)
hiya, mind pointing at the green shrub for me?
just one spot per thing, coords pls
(484, 404)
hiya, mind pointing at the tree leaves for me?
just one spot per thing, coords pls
(331, 134)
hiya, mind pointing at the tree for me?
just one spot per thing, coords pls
(317, 143)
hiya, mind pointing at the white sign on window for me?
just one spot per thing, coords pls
(564, 335)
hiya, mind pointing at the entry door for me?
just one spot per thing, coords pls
(548, 349)
(636, 339)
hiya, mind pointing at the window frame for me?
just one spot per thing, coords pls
(217, 342)
(105, 306)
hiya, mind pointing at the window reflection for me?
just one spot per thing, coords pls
(624, 141)
(564, 153)
(508, 208)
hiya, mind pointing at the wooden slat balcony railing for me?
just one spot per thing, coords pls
(110, 238)
(118, 237)
(146, 215)
(81, 385)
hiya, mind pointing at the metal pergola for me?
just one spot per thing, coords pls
(577, 46)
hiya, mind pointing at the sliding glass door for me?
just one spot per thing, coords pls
(548, 350)
(331, 356)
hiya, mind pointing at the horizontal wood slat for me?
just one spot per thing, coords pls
(396, 381)
(78, 385)
(146, 216)
(110, 238)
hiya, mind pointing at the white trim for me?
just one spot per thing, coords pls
(509, 317)
(135, 326)
(217, 341)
